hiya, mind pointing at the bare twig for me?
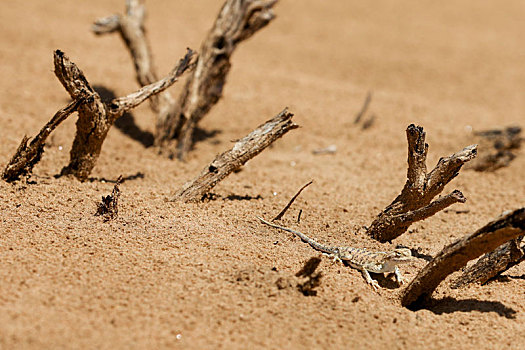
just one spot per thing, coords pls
(280, 215)
(456, 255)
(95, 118)
(130, 26)
(415, 201)
(492, 264)
(26, 156)
(238, 20)
(108, 208)
(363, 110)
(243, 150)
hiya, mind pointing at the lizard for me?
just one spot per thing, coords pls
(358, 258)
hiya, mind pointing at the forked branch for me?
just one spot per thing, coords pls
(229, 161)
(415, 201)
(456, 255)
(95, 117)
(130, 26)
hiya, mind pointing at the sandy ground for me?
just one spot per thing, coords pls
(168, 275)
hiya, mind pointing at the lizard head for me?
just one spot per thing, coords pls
(399, 256)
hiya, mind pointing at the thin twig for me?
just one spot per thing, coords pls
(280, 215)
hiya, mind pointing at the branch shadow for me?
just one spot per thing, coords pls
(138, 175)
(126, 123)
(450, 305)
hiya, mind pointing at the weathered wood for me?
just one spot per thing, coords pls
(130, 26)
(415, 201)
(95, 118)
(456, 255)
(237, 21)
(26, 156)
(492, 264)
(229, 161)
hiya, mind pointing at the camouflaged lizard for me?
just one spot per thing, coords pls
(359, 258)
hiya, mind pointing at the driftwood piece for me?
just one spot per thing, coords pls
(492, 264)
(497, 148)
(237, 21)
(95, 117)
(415, 201)
(26, 156)
(456, 255)
(285, 209)
(130, 26)
(229, 161)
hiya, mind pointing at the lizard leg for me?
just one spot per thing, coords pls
(369, 279)
(333, 256)
(399, 277)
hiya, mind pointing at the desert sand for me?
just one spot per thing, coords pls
(209, 275)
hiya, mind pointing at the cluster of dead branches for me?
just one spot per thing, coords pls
(177, 118)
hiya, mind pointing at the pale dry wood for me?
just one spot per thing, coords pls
(237, 21)
(415, 201)
(456, 255)
(130, 26)
(229, 161)
(492, 264)
(26, 156)
(95, 117)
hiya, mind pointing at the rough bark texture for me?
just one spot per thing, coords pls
(415, 201)
(492, 264)
(238, 20)
(94, 117)
(229, 161)
(456, 255)
(130, 26)
(177, 119)
(26, 156)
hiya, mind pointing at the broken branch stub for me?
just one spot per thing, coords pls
(26, 156)
(415, 201)
(492, 264)
(229, 161)
(238, 20)
(94, 117)
(456, 255)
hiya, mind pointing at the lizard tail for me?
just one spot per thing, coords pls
(305, 238)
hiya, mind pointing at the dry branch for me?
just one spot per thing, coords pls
(285, 209)
(94, 117)
(26, 156)
(229, 161)
(130, 26)
(415, 201)
(456, 255)
(492, 264)
(238, 20)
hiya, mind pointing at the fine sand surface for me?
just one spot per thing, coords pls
(207, 275)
